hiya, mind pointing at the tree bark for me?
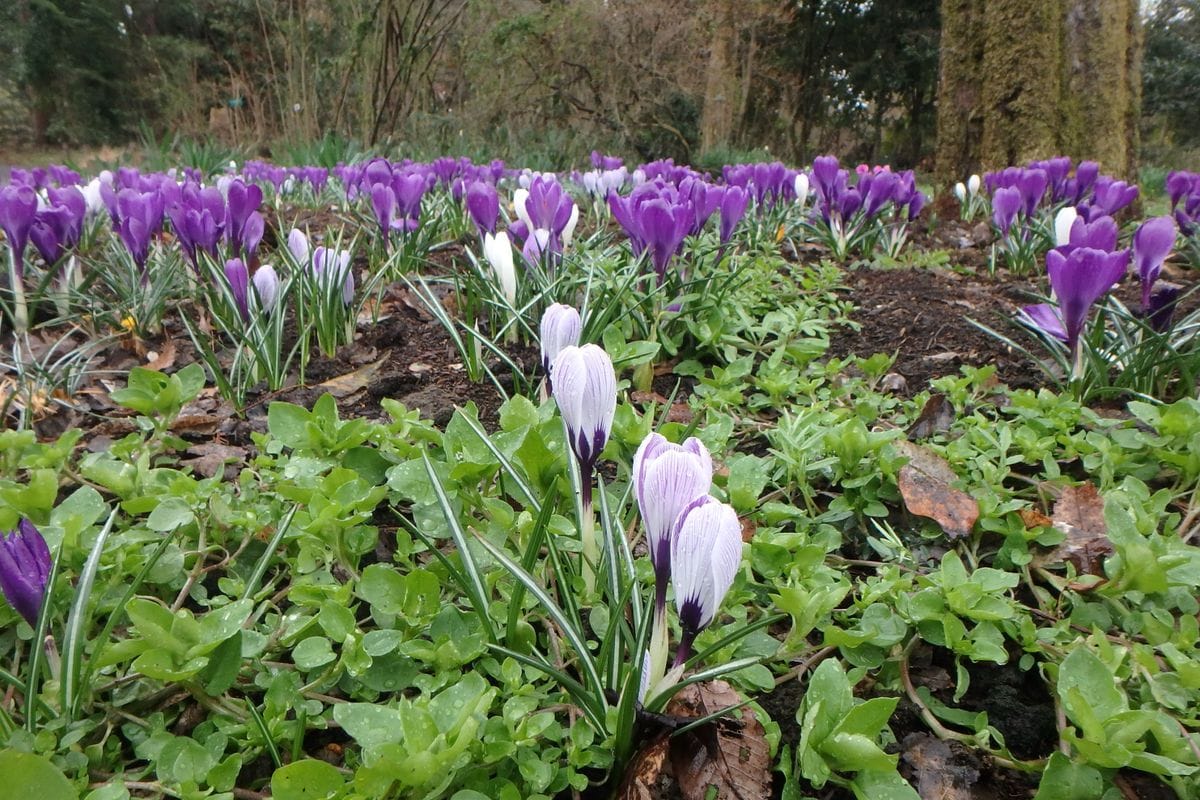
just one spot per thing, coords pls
(716, 119)
(1028, 79)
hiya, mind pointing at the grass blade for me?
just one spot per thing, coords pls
(77, 619)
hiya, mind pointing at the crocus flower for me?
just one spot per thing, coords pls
(483, 204)
(383, 202)
(297, 244)
(973, 184)
(568, 231)
(1162, 305)
(667, 477)
(706, 551)
(1006, 201)
(733, 208)
(1098, 234)
(18, 205)
(1045, 318)
(560, 329)
(1063, 221)
(266, 287)
(334, 266)
(498, 251)
(585, 388)
(1079, 279)
(24, 570)
(960, 192)
(1152, 243)
(239, 285)
(537, 244)
(800, 187)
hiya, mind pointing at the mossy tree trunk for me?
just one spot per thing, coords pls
(1026, 79)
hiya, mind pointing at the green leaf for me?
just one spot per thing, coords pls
(170, 514)
(1095, 684)
(748, 475)
(370, 725)
(223, 665)
(306, 780)
(35, 777)
(289, 424)
(313, 652)
(1064, 780)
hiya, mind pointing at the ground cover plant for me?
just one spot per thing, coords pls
(449, 479)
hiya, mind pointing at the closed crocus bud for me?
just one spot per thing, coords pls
(520, 196)
(706, 551)
(667, 477)
(568, 232)
(1152, 243)
(266, 285)
(239, 285)
(960, 192)
(973, 184)
(24, 570)
(801, 187)
(499, 253)
(297, 244)
(1063, 221)
(585, 388)
(560, 328)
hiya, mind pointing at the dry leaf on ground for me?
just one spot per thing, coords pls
(925, 486)
(351, 382)
(937, 415)
(1079, 513)
(729, 755)
(938, 772)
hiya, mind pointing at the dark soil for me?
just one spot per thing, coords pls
(923, 317)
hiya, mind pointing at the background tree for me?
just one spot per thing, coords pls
(1023, 79)
(1171, 76)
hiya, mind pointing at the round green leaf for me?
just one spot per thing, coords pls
(305, 780)
(36, 776)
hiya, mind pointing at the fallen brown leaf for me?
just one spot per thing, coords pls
(355, 381)
(211, 457)
(164, 358)
(729, 756)
(925, 486)
(646, 773)
(1079, 513)
(937, 415)
(938, 771)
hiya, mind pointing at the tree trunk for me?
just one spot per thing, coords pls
(716, 120)
(1027, 79)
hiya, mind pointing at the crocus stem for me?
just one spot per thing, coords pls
(658, 641)
(587, 527)
(684, 651)
(20, 311)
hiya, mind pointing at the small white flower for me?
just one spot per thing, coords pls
(499, 254)
(801, 187)
(1063, 220)
(960, 191)
(569, 229)
(973, 184)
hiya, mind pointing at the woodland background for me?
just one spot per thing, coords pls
(546, 81)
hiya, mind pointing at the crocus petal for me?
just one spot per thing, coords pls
(1063, 221)
(24, 570)
(1045, 318)
(239, 284)
(585, 387)
(499, 254)
(297, 244)
(1152, 243)
(560, 328)
(706, 551)
(1079, 279)
(266, 286)
(667, 477)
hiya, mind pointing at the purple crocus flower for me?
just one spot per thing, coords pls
(1152, 243)
(18, 205)
(733, 208)
(140, 217)
(239, 285)
(1162, 305)
(383, 201)
(1032, 185)
(1178, 185)
(1079, 279)
(24, 570)
(1006, 201)
(483, 204)
(334, 267)
(243, 224)
(1099, 234)
(667, 478)
(585, 388)
(560, 328)
(1109, 197)
(410, 188)
(706, 551)
(1044, 317)
(1085, 177)
(663, 228)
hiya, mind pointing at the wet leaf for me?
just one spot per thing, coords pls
(728, 755)
(939, 773)
(359, 379)
(646, 772)
(1079, 514)
(937, 415)
(925, 486)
